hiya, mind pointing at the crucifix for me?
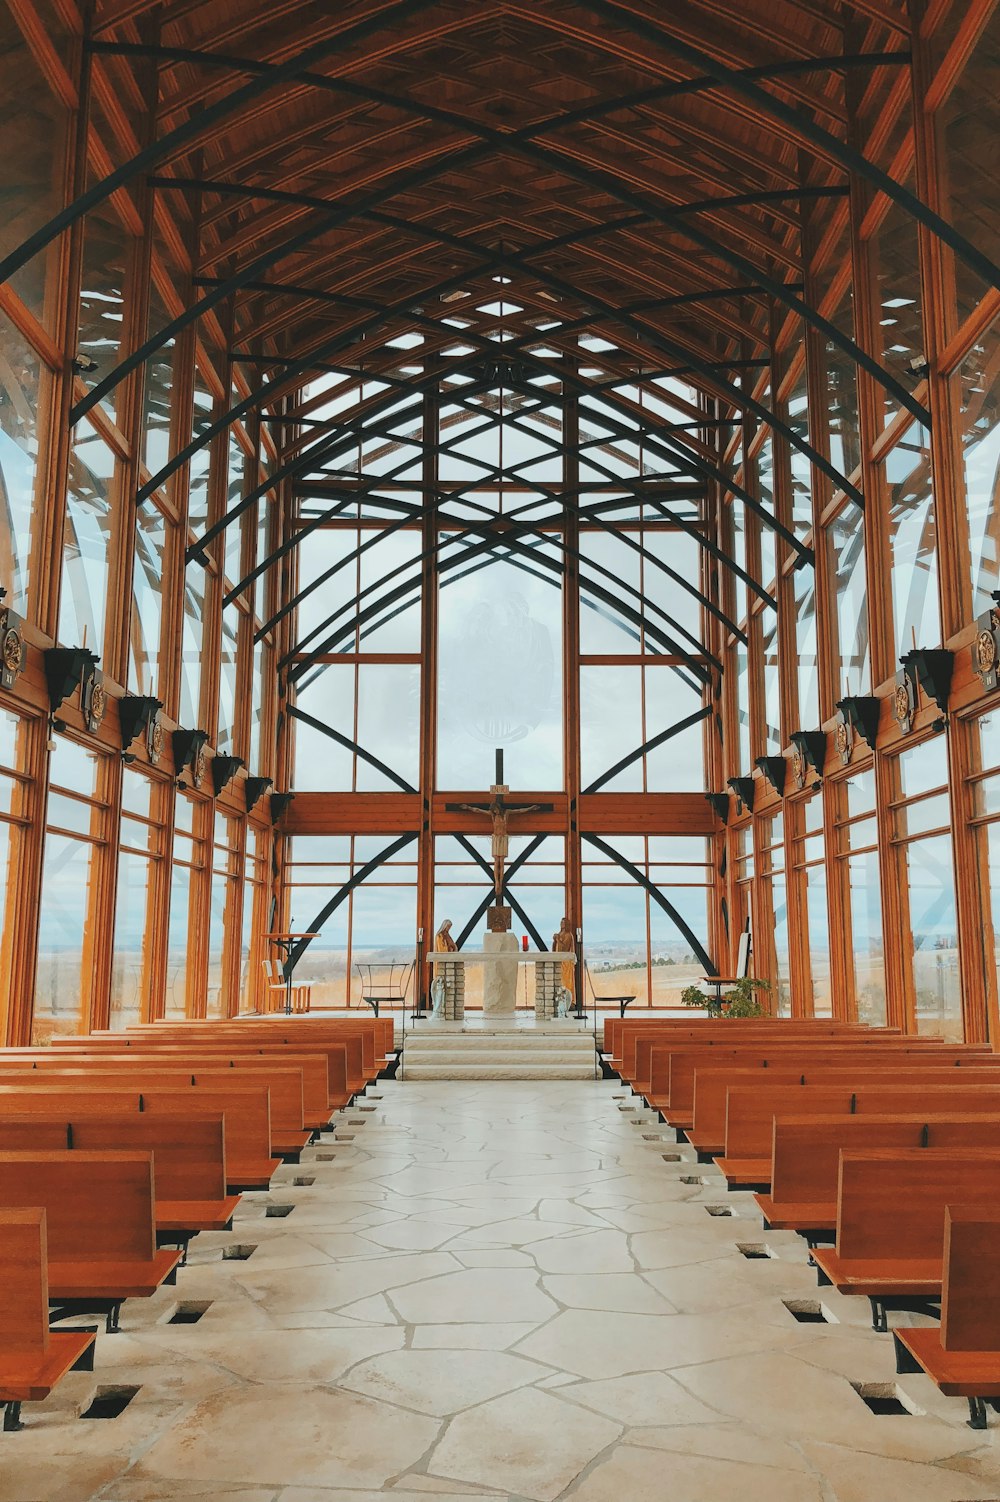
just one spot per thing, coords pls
(499, 811)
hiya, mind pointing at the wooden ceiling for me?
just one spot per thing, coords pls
(615, 171)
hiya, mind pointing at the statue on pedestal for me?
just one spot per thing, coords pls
(564, 942)
(443, 941)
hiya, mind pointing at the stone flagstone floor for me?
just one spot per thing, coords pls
(496, 1291)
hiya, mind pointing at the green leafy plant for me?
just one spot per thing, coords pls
(738, 1001)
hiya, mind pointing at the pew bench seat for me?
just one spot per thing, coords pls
(29, 1378)
(33, 1358)
(183, 1217)
(814, 1219)
(959, 1374)
(745, 1173)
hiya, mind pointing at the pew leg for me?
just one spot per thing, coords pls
(822, 1280)
(880, 1320)
(905, 1362)
(12, 1418)
(111, 1323)
(977, 1413)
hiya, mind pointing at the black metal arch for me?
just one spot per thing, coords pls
(363, 424)
(488, 872)
(655, 893)
(510, 872)
(523, 142)
(352, 746)
(342, 894)
(650, 745)
(799, 122)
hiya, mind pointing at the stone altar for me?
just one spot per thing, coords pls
(451, 969)
(500, 980)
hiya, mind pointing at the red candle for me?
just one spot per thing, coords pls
(524, 941)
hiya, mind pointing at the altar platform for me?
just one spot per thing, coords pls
(516, 1047)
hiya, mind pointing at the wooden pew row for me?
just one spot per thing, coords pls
(33, 1358)
(890, 1222)
(343, 1059)
(362, 1044)
(376, 1033)
(652, 1051)
(311, 1069)
(805, 1159)
(751, 1111)
(189, 1160)
(710, 1086)
(284, 1087)
(963, 1356)
(737, 1034)
(245, 1108)
(617, 1031)
(100, 1226)
(363, 1061)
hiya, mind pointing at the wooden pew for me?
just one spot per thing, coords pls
(246, 1109)
(189, 1160)
(33, 1358)
(284, 1086)
(334, 1056)
(101, 1232)
(750, 1112)
(314, 1067)
(270, 1035)
(753, 1032)
(618, 1030)
(963, 1356)
(890, 1222)
(711, 1086)
(805, 1159)
(650, 1081)
(189, 1166)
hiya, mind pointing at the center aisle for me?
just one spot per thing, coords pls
(499, 1291)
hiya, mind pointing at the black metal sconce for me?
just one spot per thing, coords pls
(811, 746)
(720, 803)
(861, 716)
(224, 769)
(136, 713)
(743, 788)
(279, 803)
(188, 748)
(931, 668)
(774, 769)
(254, 789)
(67, 668)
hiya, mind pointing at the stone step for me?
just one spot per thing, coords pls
(501, 1056)
(495, 1070)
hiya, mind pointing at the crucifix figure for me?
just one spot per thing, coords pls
(499, 811)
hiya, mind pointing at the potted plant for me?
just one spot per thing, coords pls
(737, 1001)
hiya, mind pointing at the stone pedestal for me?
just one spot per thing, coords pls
(452, 972)
(548, 979)
(500, 978)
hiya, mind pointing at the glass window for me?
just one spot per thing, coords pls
(847, 538)
(500, 677)
(106, 251)
(20, 374)
(969, 122)
(934, 926)
(913, 539)
(979, 387)
(87, 540)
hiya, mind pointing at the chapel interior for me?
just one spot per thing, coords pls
(499, 750)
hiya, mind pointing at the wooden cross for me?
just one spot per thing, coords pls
(499, 811)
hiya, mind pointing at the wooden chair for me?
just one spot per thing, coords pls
(963, 1356)
(276, 990)
(33, 1358)
(101, 1241)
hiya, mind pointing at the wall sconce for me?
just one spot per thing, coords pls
(860, 716)
(774, 769)
(720, 803)
(744, 790)
(254, 789)
(224, 769)
(136, 713)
